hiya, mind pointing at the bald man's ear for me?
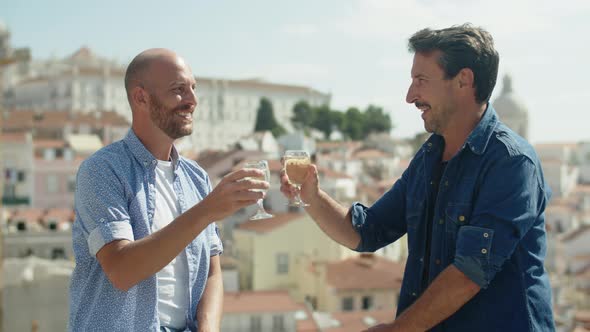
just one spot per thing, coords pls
(139, 96)
(466, 78)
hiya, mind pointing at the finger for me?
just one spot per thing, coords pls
(250, 184)
(242, 173)
(283, 175)
(312, 172)
(248, 195)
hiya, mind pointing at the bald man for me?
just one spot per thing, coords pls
(145, 242)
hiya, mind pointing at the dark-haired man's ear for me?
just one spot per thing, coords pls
(465, 77)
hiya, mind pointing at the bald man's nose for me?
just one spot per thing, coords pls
(192, 97)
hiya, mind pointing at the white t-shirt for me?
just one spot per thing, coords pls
(173, 289)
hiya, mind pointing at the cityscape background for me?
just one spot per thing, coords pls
(325, 71)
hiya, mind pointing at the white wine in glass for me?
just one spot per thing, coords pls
(296, 165)
(262, 165)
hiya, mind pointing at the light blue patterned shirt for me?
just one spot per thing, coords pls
(115, 199)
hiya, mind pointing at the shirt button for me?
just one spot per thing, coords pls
(154, 162)
(486, 235)
(413, 294)
(437, 262)
(484, 251)
(441, 221)
(421, 259)
(446, 183)
(461, 218)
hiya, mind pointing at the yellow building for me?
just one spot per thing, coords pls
(290, 252)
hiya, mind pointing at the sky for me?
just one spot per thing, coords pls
(355, 50)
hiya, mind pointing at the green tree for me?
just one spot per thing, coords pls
(303, 115)
(323, 120)
(265, 119)
(353, 124)
(376, 121)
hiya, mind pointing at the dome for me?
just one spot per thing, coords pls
(3, 28)
(508, 105)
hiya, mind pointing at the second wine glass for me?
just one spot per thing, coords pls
(262, 165)
(296, 165)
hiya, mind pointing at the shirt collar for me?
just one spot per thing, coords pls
(143, 155)
(480, 136)
(477, 141)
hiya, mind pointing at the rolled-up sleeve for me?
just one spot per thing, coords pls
(215, 244)
(101, 205)
(509, 202)
(383, 222)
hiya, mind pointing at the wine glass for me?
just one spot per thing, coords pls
(262, 165)
(296, 165)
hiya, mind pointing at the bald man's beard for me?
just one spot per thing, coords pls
(167, 119)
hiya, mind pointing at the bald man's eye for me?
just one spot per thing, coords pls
(179, 89)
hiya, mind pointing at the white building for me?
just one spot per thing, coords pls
(82, 82)
(85, 82)
(511, 109)
(227, 108)
(16, 162)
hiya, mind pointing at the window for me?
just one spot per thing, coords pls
(367, 302)
(255, 324)
(21, 176)
(282, 263)
(278, 323)
(58, 253)
(52, 185)
(49, 154)
(347, 304)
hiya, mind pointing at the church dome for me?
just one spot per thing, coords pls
(511, 109)
(3, 28)
(508, 104)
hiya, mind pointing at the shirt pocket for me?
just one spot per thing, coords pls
(456, 215)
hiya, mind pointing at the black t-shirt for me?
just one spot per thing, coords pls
(436, 176)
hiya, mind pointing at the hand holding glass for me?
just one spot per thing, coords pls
(296, 165)
(262, 165)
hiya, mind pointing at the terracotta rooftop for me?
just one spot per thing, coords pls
(259, 302)
(26, 119)
(355, 321)
(370, 154)
(367, 271)
(264, 226)
(49, 143)
(27, 215)
(62, 214)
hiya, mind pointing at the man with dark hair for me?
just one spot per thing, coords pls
(145, 242)
(471, 201)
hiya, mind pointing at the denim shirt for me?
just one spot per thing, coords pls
(488, 222)
(115, 199)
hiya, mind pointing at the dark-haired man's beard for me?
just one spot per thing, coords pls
(170, 121)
